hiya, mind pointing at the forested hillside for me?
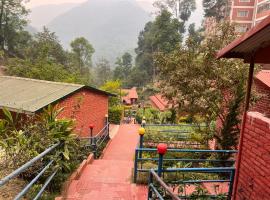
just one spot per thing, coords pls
(112, 26)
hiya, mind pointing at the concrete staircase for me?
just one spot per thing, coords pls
(109, 178)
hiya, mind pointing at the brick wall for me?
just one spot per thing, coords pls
(249, 17)
(263, 104)
(241, 3)
(85, 107)
(254, 173)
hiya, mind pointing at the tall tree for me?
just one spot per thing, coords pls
(137, 78)
(12, 21)
(162, 35)
(102, 72)
(123, 67)
(82, 52)
(47, 47)
(195, 35)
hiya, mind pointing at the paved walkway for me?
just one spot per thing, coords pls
(110, 178)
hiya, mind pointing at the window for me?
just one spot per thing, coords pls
(244, 0)
(242, 13)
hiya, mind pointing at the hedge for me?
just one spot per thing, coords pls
(115, 114)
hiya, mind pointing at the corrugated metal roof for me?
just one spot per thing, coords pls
(255, 40)
(30, 95)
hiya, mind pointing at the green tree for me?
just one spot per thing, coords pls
(12, 21)
(195, 35)
(47, 47)
(137, 78)
(102, 72)
(123, 67)
(198, 82)
(162, 35)
(43, 57)
(22, 44)
(82, 52)
(113, 87)
(43, 70)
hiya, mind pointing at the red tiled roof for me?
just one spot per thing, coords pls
(131, 93)
(160, 102)
(264, 77)
(256, 40)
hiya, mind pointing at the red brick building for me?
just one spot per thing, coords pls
(262, 86)
(131, 96)
(248, 13)
(82, 103)
(252, 180)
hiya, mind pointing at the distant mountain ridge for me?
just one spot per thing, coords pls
(112, 26)
(42, 15)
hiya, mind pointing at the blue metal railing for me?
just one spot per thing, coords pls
(153, 191)
(156, 184)
(139, 159)
(200, 163)
(26, 166)
(176, 125)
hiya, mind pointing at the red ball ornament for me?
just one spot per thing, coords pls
(162, 148)
(91, 126)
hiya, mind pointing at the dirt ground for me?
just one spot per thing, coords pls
(9, 191)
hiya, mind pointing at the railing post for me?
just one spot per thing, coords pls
(150, 181)
(95, 147)
(91, 127)
(232, 175)
(162, 149)
(107, 125)
(141, 133)
(135, 166)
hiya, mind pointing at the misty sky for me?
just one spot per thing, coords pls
(196, 16)
(34, 3)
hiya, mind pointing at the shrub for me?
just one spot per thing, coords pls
(36, 135)
(115, 114)
(154, 116)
